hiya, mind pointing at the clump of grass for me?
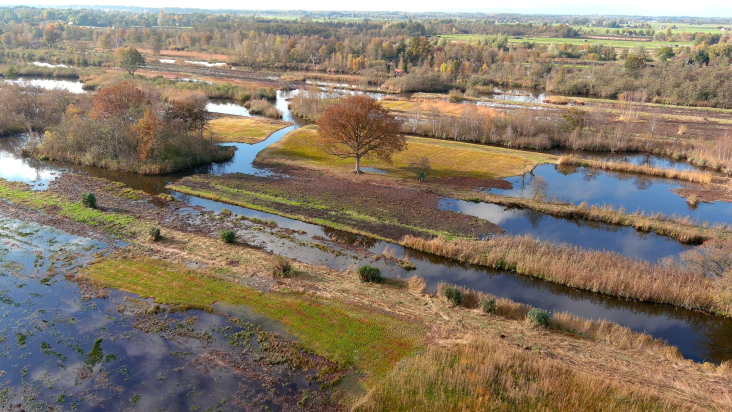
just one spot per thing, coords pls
(538, 317)
(682, 129)
(416, 284)
(406, 264)
(225, 212)
(282, 268)
(560, 100)
(370, 274)
(453, 295)
(263, 107)
(89, 200)
(154, 233)
(693, 200)
(228, 236)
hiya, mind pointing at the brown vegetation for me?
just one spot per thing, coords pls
(604, 272)
(125, 128)
(689, 175)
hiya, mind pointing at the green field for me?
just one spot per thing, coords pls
(573, 40)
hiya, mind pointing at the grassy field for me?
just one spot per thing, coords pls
(574, 40)
(370, 341)
(244, 129)
(446, 158)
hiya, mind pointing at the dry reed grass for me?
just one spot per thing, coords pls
(561, 100)
(688, 175)
(596, 330)
(604, 272)
(484, 374)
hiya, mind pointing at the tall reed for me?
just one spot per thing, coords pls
(604, 272)
(689, 175)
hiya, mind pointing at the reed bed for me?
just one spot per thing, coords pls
(603, 272)
(688, 175)
(596, 330)
(681, 228)
(485, 374)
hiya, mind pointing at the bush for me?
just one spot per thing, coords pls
(453, 295)
(369, 274)
(455, 96)
(488, 306)
(89, 200)
(11, 73)
(154, 233)
(282, 268)
(228, 236)
(539, 317)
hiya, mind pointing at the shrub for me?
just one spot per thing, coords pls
(154, 233)
(538, 317)
(89, 200)
(282, 268)
(455, 96)
(453, 295)
(228, 236)
(369, 274)
(487, 305)
(11, 73)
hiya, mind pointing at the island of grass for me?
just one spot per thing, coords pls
(238, 129)
(437, 158)
(387, 203)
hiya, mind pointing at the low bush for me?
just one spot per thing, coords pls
(488, 305)
(154, 233)
(538, 317)
(369, 274)
(282, 268)
(453, 295)
(89, 200)
(228, 236)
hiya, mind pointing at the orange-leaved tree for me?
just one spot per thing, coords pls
(359, 127)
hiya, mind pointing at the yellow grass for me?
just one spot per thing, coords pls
(446, 158)
(690, 175)
(426, 105)
(244, 129)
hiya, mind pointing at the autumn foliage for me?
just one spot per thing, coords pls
(359, 127)
(124, 127)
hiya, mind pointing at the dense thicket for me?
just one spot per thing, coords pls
(121, 127)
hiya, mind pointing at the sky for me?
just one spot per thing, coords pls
(710, 8)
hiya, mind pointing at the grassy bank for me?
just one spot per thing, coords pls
(249, 130)
(688, 175)
(603, 272)
(444, 158)
(446, 379)
(367, 340)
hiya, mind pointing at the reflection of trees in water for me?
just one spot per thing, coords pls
(534, 217)
(349, 238)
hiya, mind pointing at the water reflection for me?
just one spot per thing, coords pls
(586, 234)
(634, 192)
